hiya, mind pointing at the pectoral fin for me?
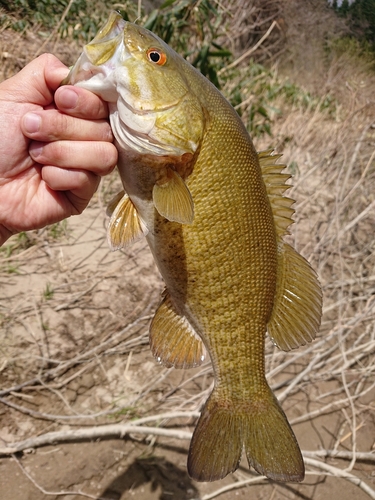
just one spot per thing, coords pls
(173, 340)
(297, 311)
(125, 226)
(173, 200)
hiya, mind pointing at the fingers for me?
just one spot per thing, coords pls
(78, 185)
(81, 103)
(52, 125)
(37, 81)
(63, 179)
(99, 157)
(54, 70)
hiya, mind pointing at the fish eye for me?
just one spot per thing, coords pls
(156, 56)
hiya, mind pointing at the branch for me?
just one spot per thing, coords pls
(121, 430)
(102, 432)
(336, 472)
(91, 433)
(54, 493)
(234, 486)
(66, 365)
(346, 455)
(250, 51)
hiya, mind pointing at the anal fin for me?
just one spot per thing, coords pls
(173, 340)
(173, 200)
(125, 226)
(297, 310)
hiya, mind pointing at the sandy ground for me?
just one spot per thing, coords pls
(74, 319)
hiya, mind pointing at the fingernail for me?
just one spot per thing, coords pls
(32, 122)
(35, 150)
(69, 98)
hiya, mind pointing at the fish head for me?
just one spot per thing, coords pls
(153, 109)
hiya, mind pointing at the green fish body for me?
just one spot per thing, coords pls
(214, 214)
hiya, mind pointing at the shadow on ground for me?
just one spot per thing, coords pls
(153, 478)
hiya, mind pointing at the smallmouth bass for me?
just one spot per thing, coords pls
(214, 215)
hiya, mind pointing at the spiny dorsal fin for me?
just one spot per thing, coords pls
(276, 186)
(173, 199)
(125, 226)
(173, 340)
(297, 309)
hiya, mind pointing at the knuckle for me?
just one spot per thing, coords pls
(91, 106)
(107, 132)
(110, 154)
(54, 126)
(57, 153)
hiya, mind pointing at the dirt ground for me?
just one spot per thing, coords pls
(74, 331)
(74, 353)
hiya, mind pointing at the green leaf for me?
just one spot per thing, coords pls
(152, 20)
(220, 53)
(166, 4)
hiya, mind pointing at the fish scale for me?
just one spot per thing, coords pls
(214, 214)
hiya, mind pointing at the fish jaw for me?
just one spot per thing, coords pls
(95, 68)
(147, 103)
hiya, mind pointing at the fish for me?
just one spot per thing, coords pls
(214, 213)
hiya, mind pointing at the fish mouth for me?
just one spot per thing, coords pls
(101, 68)
(110, 66)
(96, 65)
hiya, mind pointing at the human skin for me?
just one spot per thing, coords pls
(55, 144)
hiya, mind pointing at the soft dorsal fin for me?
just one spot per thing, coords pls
(125, 226)
(173, 340)
(173, 200)
(276, 186)
(297, 309)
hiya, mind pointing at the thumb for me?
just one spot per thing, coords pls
(37, 81)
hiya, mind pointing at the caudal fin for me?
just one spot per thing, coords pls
(261, 426)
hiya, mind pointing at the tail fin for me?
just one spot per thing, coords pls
(222, 430)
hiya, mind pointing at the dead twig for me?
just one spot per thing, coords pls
(54, 493)
(336, 472)
(92, 433)
(250, 51)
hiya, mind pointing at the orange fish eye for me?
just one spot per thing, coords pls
(156, 56)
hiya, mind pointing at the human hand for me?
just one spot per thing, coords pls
(55, 143)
